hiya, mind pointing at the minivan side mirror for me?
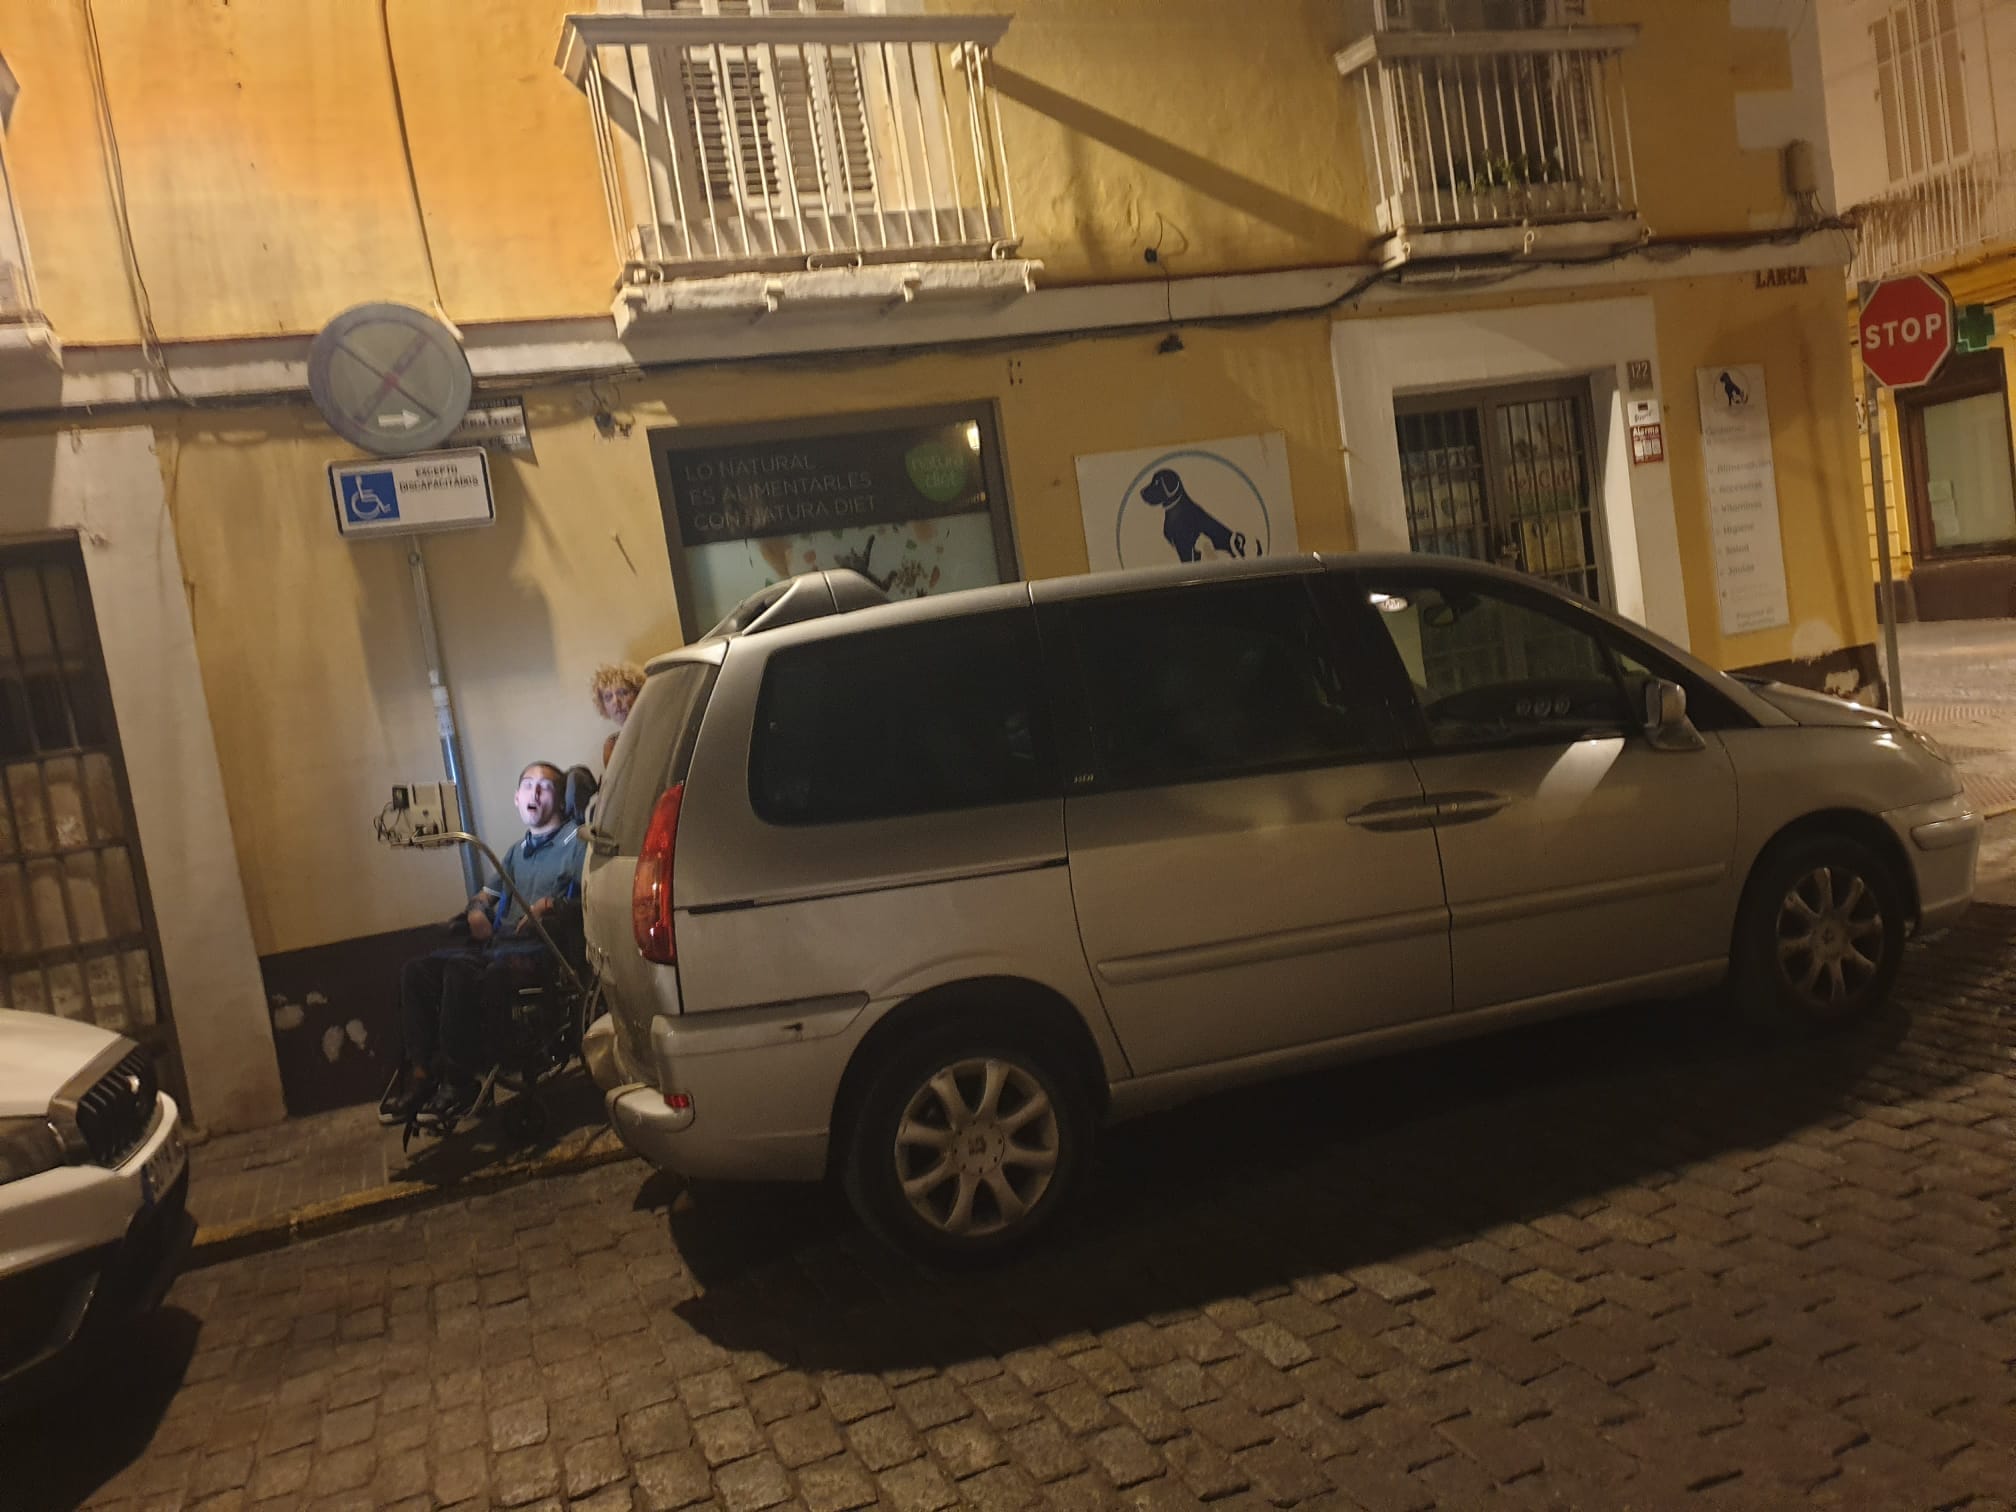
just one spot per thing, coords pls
(1667, 726)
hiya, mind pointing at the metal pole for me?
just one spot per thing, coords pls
(1886, 581)
(444, 712)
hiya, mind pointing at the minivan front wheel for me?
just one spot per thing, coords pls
(965, 1145)
(1822, 935)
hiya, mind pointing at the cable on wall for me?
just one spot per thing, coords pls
(412, 173)
(115, 177)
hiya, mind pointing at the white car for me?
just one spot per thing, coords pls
(93, 1180)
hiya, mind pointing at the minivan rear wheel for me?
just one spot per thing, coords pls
(965, 1144)
(1821, 936)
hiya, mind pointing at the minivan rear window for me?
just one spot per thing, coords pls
(657, 738)
(915, 720)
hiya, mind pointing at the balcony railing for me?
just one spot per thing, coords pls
(1941, 217)
(1499, 133)
(23, 327)
(751, 143)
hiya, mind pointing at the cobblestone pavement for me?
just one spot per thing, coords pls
(1634, 1261)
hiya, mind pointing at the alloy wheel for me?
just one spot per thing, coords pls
(1830, 938)
(977, 1146)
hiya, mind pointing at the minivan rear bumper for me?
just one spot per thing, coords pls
(755, 1089)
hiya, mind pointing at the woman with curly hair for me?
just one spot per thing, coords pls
(614, 687)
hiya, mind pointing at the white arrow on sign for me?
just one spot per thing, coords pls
(404, 420)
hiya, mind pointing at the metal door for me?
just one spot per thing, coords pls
(77, 934)
(1507, 476)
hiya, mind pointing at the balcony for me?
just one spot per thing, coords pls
(24, 330)
(1937, 218)
(1496, 142)
(753, 164)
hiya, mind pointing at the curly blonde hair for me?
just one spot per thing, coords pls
(613, 675)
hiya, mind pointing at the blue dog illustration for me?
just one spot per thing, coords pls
(1185, 521)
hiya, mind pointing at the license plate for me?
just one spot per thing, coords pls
(162, 1167)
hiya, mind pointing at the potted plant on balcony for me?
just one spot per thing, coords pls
(1548, 191)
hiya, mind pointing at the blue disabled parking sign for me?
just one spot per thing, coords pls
(444, 490)
(370, 498)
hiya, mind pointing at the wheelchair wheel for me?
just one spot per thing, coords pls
(525, 1119)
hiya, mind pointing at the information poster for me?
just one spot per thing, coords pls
(1742, 499)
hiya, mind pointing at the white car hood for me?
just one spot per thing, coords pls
(1810, 708)
(38, 1053)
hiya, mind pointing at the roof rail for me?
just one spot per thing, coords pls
(808, 596)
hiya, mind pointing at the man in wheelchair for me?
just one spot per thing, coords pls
(458, 1005)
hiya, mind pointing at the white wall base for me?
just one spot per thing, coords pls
(105, 487)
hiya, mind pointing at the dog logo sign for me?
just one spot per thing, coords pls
(1191, 506)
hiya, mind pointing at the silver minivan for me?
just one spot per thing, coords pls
(917, 895)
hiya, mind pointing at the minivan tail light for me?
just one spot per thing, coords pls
(651, 891)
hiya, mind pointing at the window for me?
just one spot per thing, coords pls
(1489, 669)
(1505, 476)
(912, 501)
(1482, 15)
(17, 282)
(77, 932)
(917, 720)
(1960, 482)
(801, 108)
(1194, 684)
(657, 737)
(1919, 87)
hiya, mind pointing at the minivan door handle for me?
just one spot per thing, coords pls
(1466, 807)
(1390, 815)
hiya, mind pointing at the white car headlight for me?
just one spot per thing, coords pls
(28, 1147)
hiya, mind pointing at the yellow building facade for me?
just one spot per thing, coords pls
(1468, 274)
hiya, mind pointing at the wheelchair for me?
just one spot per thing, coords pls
(538, 1035)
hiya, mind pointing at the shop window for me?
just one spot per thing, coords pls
(1920, 87)
(913, 501)
(1959, 471)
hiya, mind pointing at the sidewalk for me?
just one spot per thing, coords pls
(1959, 681)
(329, 1170)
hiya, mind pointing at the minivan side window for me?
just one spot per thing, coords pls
(655, 737)
(1491, 669)
(1193, 684)
(916, 720)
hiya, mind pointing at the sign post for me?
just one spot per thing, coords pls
(1906, 329)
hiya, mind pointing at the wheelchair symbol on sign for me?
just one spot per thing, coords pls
(370, 496)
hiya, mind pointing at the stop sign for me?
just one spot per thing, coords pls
(1907, 330)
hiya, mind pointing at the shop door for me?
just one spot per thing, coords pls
(76, 932)
(1957, 459)
(1506, 476)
